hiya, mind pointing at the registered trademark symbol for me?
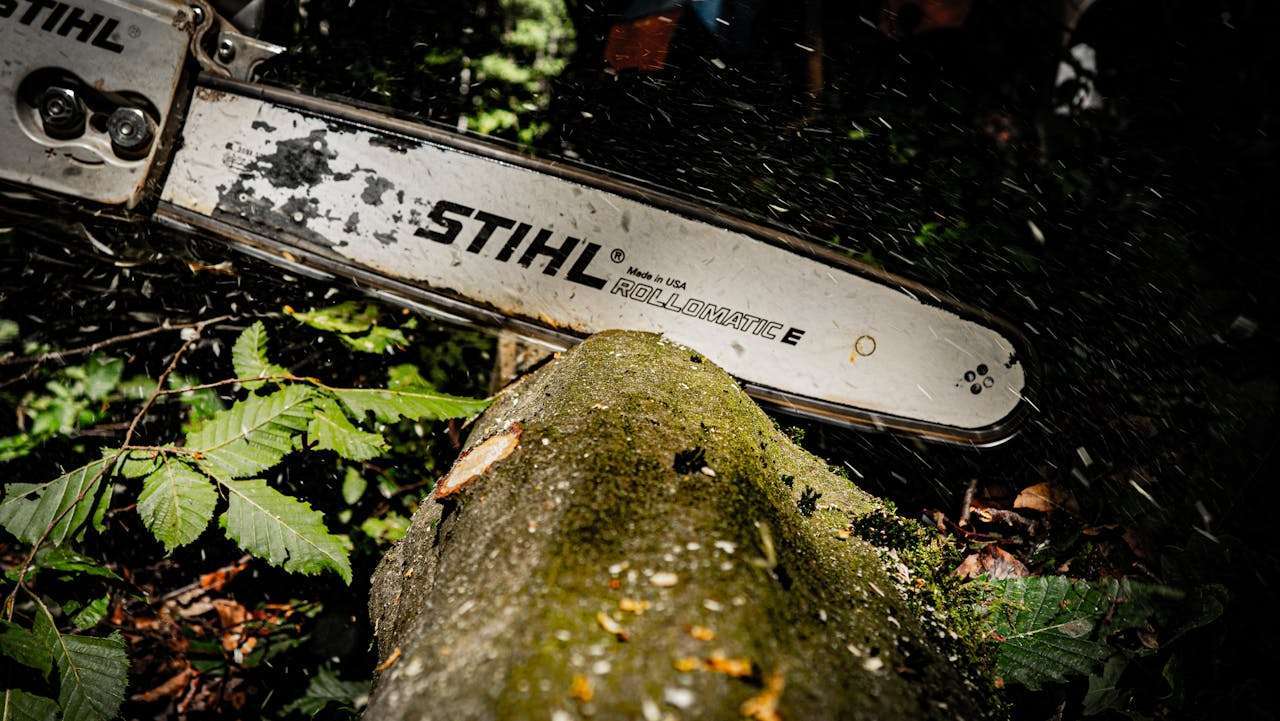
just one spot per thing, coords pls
(617, 256)
(134, 31)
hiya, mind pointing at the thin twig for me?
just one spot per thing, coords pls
(128, 437)
(98, 345)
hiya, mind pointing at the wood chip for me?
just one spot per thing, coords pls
(664, 579)
(611, 626)
(702, 633)
(764, 705)
(391, 660)
(633, 605)
(581, 689)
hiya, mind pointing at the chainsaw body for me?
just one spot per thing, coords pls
(473, 231)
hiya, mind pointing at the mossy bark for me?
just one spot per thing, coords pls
(644, 473)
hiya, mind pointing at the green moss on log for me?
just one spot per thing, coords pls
(644, 473)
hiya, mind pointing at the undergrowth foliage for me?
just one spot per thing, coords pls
(217, 468)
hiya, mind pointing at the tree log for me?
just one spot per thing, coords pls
(628, 536)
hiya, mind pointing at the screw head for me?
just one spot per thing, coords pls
(226, 50)
(197, 14)
(61, 113)
(131, 131)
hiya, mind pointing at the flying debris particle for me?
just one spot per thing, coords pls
(1036, 232)
(1085, 458)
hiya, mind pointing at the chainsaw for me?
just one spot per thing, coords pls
(146, 111)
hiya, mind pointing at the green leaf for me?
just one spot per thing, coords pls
(22, 646)
(16, 446)
(377, 340)
(102, 375)
(92, 674)
(8, 331)
(135, 464)
(388, 529)
(62, 560)
(18, 705)
(29, 508)
(406, 377)
(176, 504)
(353, 486)
(249, 356)
(1105, 692)
(137, 388)
(254, 434)
(389, 405)
(87, 615)
(1054, 628)
(348, 317)
(202, 404)
(283, 530)
(332, 431)
(326, 688)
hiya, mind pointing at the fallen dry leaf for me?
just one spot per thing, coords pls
(993, 561)
(1045, 498)
(171, 687)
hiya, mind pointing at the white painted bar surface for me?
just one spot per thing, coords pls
(801, 326)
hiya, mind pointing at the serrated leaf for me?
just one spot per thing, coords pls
(92, 674)
(325, 689)
(249, 356)
(22, 646)
(176, 504)
(332, 431)
(253, 435)
(390, 405)
(1054, 628)
(29, 508)
(18, 705)
(347, 317)
(282, 530)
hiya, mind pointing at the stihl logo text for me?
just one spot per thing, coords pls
(66, 20)
(448, 217)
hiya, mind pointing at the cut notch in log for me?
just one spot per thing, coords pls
(477, 461)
